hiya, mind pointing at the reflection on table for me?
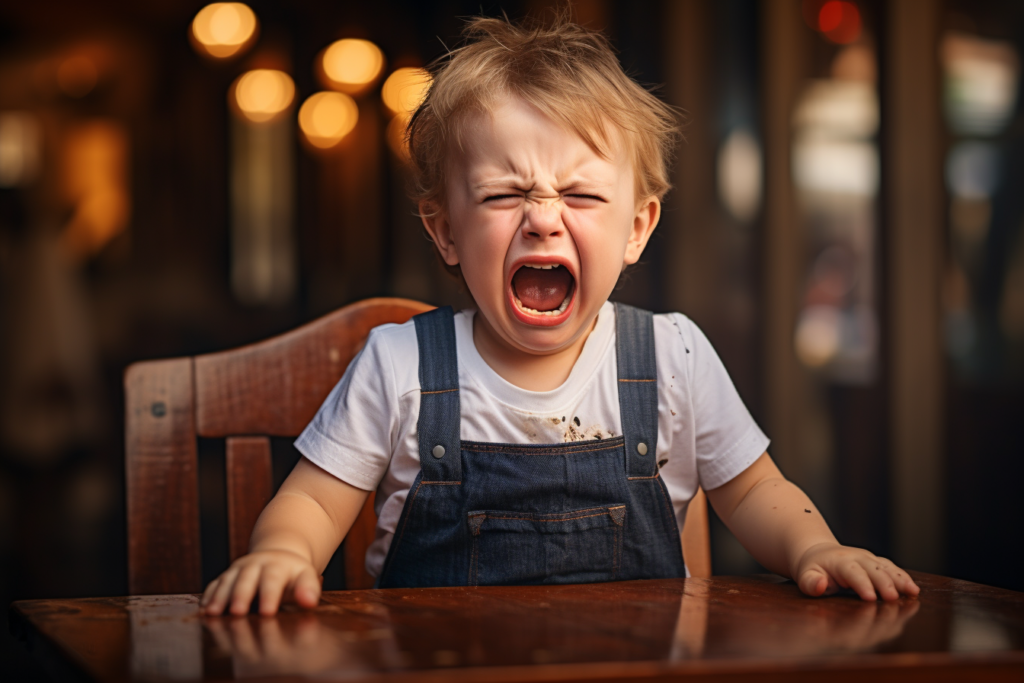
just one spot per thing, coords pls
(640, 628)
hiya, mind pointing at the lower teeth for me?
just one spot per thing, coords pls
(561, 308)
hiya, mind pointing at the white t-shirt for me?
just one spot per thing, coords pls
(365, 432)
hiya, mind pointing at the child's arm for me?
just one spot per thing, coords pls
(782, 529)
(293, 541)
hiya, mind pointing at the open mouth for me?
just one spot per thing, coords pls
(542, 293)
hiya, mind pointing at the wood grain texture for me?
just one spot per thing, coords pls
(274, 387)
(720, 629)
(161, 478)
(249, 488)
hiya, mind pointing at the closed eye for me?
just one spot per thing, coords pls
(499, 197)
(592, 197)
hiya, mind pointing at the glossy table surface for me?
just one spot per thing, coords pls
(722, 629)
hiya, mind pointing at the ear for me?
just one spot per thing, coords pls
(644, 222)
(435, 220)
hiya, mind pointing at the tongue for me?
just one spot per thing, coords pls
(542, 290)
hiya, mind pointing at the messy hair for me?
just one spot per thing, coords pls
(568, 72)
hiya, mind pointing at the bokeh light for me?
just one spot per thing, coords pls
(839, 21)
(262, 94)
(740, 175)
(327, 117)
(404, 89)
(830, 16)
(351, 65)
(980, 84)
(223, 29)
(20, 148)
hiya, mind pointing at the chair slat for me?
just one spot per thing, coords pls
(358, 539)
(697, 538)
(162, 478)
(275, 387)
(250, 486)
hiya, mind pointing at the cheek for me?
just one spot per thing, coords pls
(601, 241)
(484, 238)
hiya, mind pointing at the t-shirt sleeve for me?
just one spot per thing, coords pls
(726, 437)
(353, 433)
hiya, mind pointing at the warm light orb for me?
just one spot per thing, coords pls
(327, 117)
(404, 89)
(262, 94)
(351, 65)
(224, 28)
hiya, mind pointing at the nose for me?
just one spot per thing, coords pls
(542, 219)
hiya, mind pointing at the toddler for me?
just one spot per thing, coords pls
(549, 436)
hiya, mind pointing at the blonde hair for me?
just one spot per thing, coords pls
(566, 71)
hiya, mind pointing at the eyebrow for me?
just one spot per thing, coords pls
(571, 183)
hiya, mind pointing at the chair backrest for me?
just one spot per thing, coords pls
(245, 396)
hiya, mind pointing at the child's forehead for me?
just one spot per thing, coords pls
(513, 132)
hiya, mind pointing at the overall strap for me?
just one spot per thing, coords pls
(439, 420)
(638, 389)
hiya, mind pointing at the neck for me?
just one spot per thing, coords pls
(530, 371)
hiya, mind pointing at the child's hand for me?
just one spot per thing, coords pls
(826, 567)
(276, 574)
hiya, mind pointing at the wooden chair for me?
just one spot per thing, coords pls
(271, 388)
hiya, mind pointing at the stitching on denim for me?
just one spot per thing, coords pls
(441, 483)
(563, 519)
(559, 449)
(486, 514)
(638, 380)
(639, 478)
(439, 391)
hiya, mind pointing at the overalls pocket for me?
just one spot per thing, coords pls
(515, 548)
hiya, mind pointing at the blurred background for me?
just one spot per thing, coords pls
(178, 178)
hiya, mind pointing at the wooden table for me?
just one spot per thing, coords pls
(722, 629)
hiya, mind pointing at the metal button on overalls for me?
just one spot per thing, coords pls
(494, 514)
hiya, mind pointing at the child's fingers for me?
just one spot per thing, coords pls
(220, 596)
(272, 585)
(245, 589)
(307, 588)
(208, 593)
(856, 578)
(813, 582)
(904, 584)
(883, 583)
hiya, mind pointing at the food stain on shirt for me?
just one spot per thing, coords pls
(574, 431)
(552, 429)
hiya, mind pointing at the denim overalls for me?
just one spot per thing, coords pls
(500, 514)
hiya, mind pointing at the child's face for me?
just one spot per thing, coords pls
(541, 225)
